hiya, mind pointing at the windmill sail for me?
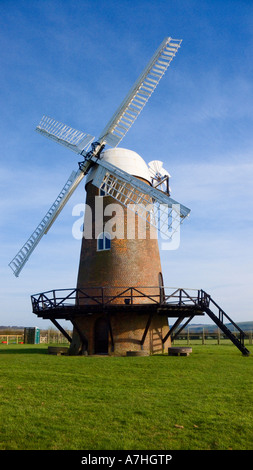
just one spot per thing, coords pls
(140, 93)
(64, 135)
(25, 252)
(132, 192)
(120, 185)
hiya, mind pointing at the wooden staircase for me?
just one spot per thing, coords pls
(208, 305)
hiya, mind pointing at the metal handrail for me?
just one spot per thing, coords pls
(221, 312)
(56, 298)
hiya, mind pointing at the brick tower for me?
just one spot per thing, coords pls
(119, 263)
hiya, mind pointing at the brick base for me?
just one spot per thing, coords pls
(127, 332)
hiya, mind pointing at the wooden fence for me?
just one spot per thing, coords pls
(205, 337)
(11, 339)
(45, 338)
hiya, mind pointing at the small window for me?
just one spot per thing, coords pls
(101, 190)
(104, 241)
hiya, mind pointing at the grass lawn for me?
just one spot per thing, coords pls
(200, 402)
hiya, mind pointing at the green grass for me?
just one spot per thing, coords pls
(88, 403)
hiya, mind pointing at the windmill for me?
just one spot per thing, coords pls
(106, 174)
(119, 175)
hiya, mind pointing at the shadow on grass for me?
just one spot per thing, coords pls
(22, 350)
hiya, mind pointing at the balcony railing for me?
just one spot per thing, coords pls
(104, 296)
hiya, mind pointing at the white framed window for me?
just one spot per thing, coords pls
(101, 190)
(103, 241)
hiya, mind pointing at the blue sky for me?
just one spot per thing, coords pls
(76, 61)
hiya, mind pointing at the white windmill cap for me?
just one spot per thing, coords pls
(126, 160)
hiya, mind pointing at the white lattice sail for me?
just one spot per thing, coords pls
(64, 135)
(123, 187)
(140, 93)
(18, 262)
(155, 206)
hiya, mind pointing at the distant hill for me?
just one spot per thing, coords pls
(246, 326)
(8, 327)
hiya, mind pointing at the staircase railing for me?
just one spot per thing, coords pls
(207, 304)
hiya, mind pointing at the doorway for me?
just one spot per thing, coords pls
(161, 287)
(101, 336)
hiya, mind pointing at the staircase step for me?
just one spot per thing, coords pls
(239, 344)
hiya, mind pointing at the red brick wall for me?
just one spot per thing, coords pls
(127, 331)
(129, 263)
(134, 262)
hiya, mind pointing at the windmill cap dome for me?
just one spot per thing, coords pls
(126, 160)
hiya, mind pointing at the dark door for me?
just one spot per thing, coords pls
(161, 285)
(101, 336)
